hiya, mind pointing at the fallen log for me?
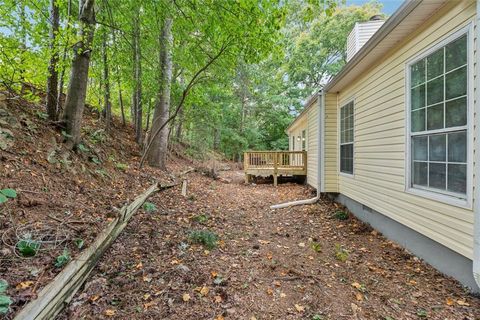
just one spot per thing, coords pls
(184, 188)
(57, 294)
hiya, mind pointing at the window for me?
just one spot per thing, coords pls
(304, 140)
(438, 120)
(346, 138)
(293, 143)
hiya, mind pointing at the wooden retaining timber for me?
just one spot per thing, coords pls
(57, 294)
(274, 163)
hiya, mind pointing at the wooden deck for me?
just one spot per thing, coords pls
(274, 163)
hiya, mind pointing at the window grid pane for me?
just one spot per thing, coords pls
(346, 138)
(438, 119)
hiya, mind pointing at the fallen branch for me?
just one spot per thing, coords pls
(57, 294)
(184, 188)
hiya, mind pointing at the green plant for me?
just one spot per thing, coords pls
(82, 148)
(201, 218)
(422, 313)
(5, 300)
(317, 247)
(121, 166)
(79, 243)
(341, 215)
(317, 317)
(149, 207)
(41, 115)
(6, 194)
(98, 136)
(66, 135)
(102, 173)
(95, 160)
(204, 237)
(341, 253)
(62, 259)
(28, 247)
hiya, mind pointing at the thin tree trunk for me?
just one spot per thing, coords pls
(23, 46)
(64, 57)
(181, 117)
(77, 88)
(106, 82)
(52, 80)
(137, 93)
(119, 84)
(148, 114)
(157, 153)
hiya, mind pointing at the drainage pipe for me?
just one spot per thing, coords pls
(476, 207)
(321, 107)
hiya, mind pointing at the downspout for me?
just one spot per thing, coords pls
(321, 104)
(476, 207)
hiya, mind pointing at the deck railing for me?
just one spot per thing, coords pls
(275, 160)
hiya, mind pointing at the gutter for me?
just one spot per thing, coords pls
(321, 107)
(476, 206)
(401, 13)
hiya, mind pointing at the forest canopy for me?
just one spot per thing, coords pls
(210, 75)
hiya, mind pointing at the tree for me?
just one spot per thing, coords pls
(77, 88)
(52, 81)
(107, 107)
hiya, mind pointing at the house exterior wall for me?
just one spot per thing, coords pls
(379, 179)
(331, 145)
(307, 121)
(312, 144)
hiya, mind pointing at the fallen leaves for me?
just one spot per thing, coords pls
(186, 297)
(299, 308)
(24, 285)
(110, 312)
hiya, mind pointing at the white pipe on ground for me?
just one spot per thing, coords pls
(476, 207)
(321, 106)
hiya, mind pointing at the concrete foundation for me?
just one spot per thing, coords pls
(442, 258)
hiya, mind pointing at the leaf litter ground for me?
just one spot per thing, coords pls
(295, 263)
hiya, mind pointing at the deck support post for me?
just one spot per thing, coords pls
(247, 178)
(275, 169)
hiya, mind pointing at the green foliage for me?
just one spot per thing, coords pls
(79, 243)
(422, 313)
(317, 247)
(204, 237)
(149, 207)
(317, 317)
(201, 218)
(121, 166)
(341, 215)
(98, 136)
(5, 300)
(341, 254)
(81, 147)
(6, 194)
(62, 259)
(28, 247)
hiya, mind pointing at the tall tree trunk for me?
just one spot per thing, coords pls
(149, 112)
(137, 91)
(119, 83)
(52, 80)
(77, 88)
(107, 108)
(64, 57)
(157, 153)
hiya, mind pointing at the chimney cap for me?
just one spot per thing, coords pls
(376, 17)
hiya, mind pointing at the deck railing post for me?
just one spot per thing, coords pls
(275, 168)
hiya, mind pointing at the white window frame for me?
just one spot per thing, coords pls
(339, 137)
(443, 196)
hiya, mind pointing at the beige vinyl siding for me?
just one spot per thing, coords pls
(296, 131)
(312, 142)
(379, 153)
(331, 147)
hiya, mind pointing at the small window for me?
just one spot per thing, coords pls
(346, 138)
(304, 140)
(438, 120)
(293, 143)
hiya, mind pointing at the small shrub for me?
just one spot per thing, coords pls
(149, 207)
(204, 237)
(98, 136)
(6, 194)
(28, 247)
(340, 253)
(62, 259)
(341, 215)
(201, 218)
(5, 300)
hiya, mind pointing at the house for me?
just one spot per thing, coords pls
(394, 135)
